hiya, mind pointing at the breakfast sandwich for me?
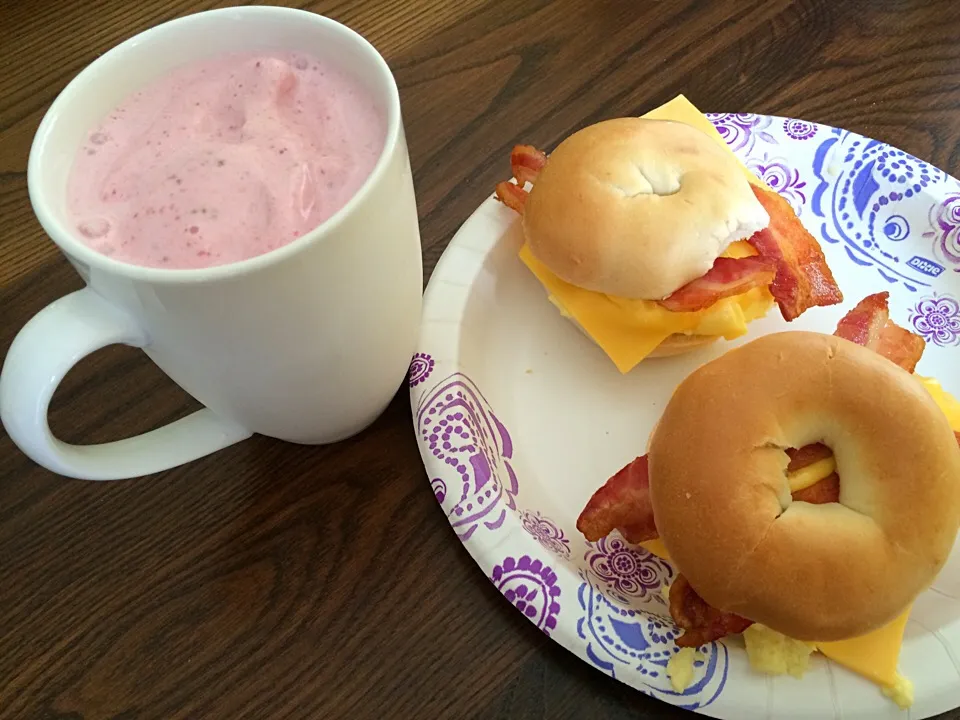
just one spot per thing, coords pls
(806, 487)
(652, 237)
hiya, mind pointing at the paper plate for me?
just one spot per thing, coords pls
(520, 418)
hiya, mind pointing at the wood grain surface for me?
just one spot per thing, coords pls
(275, 581)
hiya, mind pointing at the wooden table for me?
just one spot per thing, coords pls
(272, 580)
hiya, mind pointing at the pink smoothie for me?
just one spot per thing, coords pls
(224, 160)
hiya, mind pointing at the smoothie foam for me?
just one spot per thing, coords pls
(224, 160)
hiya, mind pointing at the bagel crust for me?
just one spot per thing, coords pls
(637, 208)
(723, 505)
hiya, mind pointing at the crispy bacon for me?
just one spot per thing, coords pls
(807, 455)
(700, 622)
(901, 346)
(513, 196)
(869, 324)
(526, 162)
(864, 324)
(803, 279)
(727, 277)
(821, 492)
(623, 504)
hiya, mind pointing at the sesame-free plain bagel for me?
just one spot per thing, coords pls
(723, 505)
(637, 208)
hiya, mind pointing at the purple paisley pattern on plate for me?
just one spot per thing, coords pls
(945, 222)
(776, 173)
(546, 532)
(457, 427)
(742, 130)
(532, 588)
(799, 129)
(937, 319)
(420, 368)
(628, 573)
(439, 489)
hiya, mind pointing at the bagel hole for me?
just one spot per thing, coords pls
(812, 474)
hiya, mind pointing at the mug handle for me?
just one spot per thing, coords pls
(44, 350)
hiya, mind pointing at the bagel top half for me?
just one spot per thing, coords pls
(637, 208)
(723, 505)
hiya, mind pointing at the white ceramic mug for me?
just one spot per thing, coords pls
(307, 343)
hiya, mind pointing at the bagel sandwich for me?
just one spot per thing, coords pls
(823, 498)
(654, 239)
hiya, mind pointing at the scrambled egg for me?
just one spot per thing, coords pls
(901, 692)
(773, 653)
(680, 668)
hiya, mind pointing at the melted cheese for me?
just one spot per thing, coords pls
(874, 655)
(629, 330)
(949, 404)
(811, 474)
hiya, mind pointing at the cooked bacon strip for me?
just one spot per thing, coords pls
(869, 324)
(821, 492)
(513, 196)
(526, 162)
(700, 622)
(623, 504)
(807, 455)
(901, 346)
(803, 279)
(727, 277)
(864, 324)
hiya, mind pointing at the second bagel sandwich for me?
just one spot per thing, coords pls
(652, 237)
(806, 488)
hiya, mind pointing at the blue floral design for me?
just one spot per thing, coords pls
(623, 640)
(870, 196)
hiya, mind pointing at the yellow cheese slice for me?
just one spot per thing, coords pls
(875, 654)
(949, 404)
(682, 110)
(629, 330)
(811, 474)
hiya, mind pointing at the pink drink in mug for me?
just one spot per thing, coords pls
(223, 160)
(305, 338)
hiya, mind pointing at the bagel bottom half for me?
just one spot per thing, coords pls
(723, 505)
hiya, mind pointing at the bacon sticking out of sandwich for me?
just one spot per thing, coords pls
(700, 622)
(869, 324)
(803, 279)
(526, 162)
(623, 503)
(790, 260)
(727, 277)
